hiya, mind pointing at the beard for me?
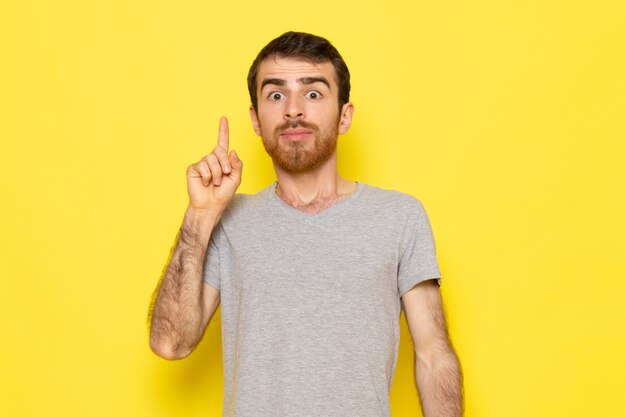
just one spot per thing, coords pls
(301, 156)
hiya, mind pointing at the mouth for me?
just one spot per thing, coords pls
(296, 134)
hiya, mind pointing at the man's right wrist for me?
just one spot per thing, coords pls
(202, 221)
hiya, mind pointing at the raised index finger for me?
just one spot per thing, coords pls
(222, 140)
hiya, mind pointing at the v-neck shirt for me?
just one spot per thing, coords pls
(310, 304)
(293, 211)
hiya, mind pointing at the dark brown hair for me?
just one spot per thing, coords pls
(306, 47)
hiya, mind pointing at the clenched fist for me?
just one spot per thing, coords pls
(213, 181)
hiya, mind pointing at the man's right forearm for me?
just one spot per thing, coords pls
(177, 315)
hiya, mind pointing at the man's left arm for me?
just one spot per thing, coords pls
(437, 368)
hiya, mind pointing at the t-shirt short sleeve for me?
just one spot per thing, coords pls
(212, 259)
(418, 259)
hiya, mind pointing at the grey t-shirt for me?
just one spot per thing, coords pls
(310, 304)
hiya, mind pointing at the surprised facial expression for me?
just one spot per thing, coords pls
(298, 115)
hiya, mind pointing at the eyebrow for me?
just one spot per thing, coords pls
(304, 80)
(313, 80)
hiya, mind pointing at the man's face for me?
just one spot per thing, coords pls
(298, 116)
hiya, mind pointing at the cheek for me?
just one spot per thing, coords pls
(268, 117)
(328, 113)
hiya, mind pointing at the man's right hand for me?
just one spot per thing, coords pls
(213, 181)
(184, 303)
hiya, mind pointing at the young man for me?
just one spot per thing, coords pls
(311, 272)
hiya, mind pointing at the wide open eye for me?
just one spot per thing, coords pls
(314, 95)
(276, 95)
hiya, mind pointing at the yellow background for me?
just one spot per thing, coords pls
(507, 119)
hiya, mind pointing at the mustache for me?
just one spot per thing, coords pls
(293, 124)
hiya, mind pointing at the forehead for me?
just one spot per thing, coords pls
(294, 69)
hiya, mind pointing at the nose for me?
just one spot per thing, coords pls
(294, 108)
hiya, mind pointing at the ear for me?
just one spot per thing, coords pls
(255, 121)
(345, 121)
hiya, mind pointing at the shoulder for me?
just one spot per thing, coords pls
(246, 205)
(387, 199)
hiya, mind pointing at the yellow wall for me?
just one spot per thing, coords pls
(507, 119)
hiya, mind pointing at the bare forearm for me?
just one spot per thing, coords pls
(176, 322)
(440, 384)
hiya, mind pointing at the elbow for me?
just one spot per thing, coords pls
(424, 358)
(436, 355)
(168, 350)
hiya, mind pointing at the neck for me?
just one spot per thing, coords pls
(313, 191)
